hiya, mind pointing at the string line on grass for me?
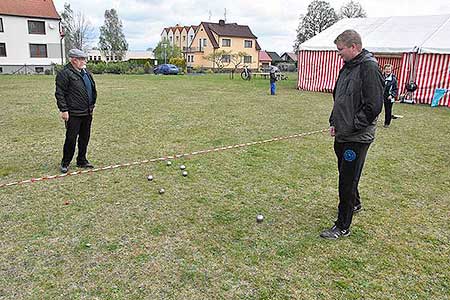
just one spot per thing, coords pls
(164, 158)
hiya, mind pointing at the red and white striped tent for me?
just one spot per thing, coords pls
(418, 47)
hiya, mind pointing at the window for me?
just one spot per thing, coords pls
(205, 42)
(226, 43)
(170, 38)
(3, 49)
(176, 38)
(99, 58)
(36, 27)
(1, 25)
(90, 57)
(191, 37)
(226, 58)
(1, 70)
(39, 69)
(247, 59)
(184, 38)
(247, 44)
(38, 50)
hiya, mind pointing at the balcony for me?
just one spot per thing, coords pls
(192, 49)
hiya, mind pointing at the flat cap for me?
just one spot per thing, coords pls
(76, 53)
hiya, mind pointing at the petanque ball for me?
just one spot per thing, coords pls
(259, 218)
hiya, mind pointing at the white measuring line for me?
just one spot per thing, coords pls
(32, 180)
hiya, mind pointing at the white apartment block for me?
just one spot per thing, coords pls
(30, 38)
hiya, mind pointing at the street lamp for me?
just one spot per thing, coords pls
(165, 59)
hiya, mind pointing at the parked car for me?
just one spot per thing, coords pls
(166, 69)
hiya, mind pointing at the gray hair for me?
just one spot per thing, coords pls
(348, 38)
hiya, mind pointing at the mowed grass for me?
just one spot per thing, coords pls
(110, 235)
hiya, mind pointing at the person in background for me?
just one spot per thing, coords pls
(76, 95)
(358, 100)
(273, 80)
(389, 94)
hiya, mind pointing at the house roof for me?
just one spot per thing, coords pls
(275, 57)
(424, 34)
(257, 46)
(263, 56)
(29, 8)
(228, 29)
(291, 55)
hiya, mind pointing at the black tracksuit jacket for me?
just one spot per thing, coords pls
(358, 99)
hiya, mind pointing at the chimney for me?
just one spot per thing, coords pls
(221, 22)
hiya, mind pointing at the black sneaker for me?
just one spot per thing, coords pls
(85, 165)
(357, 208)
(64, 169)
(334, 233)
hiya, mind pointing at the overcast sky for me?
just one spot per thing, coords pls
(273, 22)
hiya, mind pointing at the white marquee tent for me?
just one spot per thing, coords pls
(418, 47)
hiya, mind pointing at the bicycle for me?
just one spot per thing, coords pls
(246, 74)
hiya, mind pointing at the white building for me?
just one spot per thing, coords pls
(96, 55)
(30, 39)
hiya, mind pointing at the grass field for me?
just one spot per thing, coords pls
(110, 235)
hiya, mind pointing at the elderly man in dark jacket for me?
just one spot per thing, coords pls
(358, 100)
(75, 96)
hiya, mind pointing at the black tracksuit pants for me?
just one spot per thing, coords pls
(351, 157)
(77, 127)
(387, 111)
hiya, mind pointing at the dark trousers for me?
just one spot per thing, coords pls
(351, 157)
(76, 127)
(387, 111)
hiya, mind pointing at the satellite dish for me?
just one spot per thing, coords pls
(51, 26)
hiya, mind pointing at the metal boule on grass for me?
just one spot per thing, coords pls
(184, 173)
(162, 191)
(259, 218)
(169, 163)
(150, 177)
(182, 167)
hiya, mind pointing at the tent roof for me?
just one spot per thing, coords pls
(430, 34)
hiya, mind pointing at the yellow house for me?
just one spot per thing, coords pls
(213, 37)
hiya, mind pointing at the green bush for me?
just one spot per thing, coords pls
(97, 68)
(135, 70)
(147, 68)
(180, 62)
(58, 68)
(115, 68)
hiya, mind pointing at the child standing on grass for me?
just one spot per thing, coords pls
(273, 79)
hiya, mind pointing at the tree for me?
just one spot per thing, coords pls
(319, 17)
(165, 53)
(236, 60)
(220, 58)
(352, 10)
(78, 31)
(112, 41)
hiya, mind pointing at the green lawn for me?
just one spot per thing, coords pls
(110, 235)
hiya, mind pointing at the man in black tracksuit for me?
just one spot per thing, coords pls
(358, 100)
(75, 96)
